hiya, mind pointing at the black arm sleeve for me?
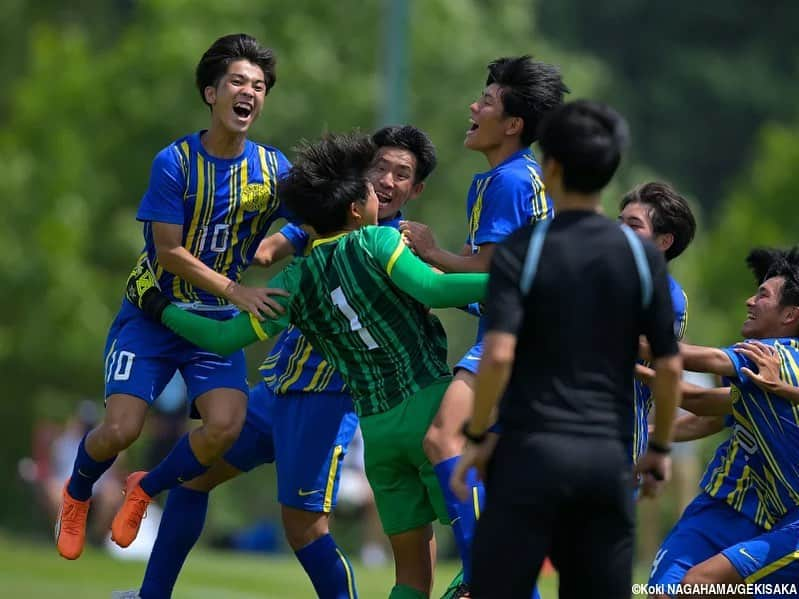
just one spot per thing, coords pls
(504, 304)
(658, 322)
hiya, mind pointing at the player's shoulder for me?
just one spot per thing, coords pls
(376, 235)
(678, 297)
(177, 152)
(269, 150)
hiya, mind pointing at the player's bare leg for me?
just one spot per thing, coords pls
(121, 426)
(717, 569)
(414, 559)
(444, 439)
(223, 412)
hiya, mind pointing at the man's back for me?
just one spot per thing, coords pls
(578, 335)
(384, 343)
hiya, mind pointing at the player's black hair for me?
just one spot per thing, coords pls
(327, 177)
(227, 49)
(586, 138)
(529, 89)
(766, 263)
(668, 211)
(415, 141)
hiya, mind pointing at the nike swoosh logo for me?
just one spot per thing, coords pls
(82, 474)
(303, 493)
(745, 553)
(472, 358)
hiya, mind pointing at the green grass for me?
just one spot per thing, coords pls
(34, 570)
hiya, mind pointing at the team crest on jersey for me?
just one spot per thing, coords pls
(255, 196)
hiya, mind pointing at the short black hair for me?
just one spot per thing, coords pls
(766, 263)
(227, 49)
(668, 211)
(327, 177)
(530, 89)
(415, 141)
(586, 138)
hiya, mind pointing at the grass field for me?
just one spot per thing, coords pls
(32, 570)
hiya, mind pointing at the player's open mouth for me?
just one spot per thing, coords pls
(242, 109)
(473, 128)
(383, 198)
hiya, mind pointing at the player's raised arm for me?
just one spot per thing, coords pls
(221, 337)
(417, 279)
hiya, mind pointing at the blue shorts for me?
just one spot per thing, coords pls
(772, 557)
(255, 445)
(141, 356)
(710, 526)
(312, 433)
(471, 360)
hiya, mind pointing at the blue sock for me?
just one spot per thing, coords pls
(463, 514)
(328, 568)
(85, 473)
(180, 466)
(536, 594)
(181, 525)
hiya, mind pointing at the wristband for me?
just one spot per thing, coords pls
(658, 448)
(476, 439)
(153, 304)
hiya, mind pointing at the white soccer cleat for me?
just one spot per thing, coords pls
(134, 594)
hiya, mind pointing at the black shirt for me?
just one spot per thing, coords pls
(578, 327)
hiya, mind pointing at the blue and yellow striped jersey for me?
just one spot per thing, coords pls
(224, 205)
(503, 199)
(756, 471)
(293, 366)
(643, 396)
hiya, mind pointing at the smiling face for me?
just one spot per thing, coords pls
(765, 317)
(489, 124)
(238, 97)
(393, 175)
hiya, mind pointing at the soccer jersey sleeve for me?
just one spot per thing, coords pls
(223, 337)
(658, 325)
(416, 278)
(504, 304)
(297, 236)
(506, 206)
(163, 200)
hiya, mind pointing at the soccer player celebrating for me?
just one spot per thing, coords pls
(655, 211)
(750, 490)
(504, 120)
(364, 305)
(212, 194)
(300, 416)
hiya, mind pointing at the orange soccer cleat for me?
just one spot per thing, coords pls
(70, 526)
(126, 523)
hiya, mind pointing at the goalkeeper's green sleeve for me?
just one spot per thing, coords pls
(418, 280)
(221, 337)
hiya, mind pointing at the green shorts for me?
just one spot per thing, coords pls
(402, 478)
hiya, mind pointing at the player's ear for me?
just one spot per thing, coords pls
(416, 190)
(514, 126)
(209, 93)
(791, 315)
(664, 241)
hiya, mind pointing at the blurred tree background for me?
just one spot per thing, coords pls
(93, 89)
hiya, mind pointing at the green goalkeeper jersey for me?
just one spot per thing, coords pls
(362, 299)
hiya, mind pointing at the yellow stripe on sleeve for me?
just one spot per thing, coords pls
(395, 256)
(256, 326)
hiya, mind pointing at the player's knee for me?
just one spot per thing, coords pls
(301, 532)
(222, 431)
(116, 436)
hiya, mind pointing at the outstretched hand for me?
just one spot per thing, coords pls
(256, 300)
(767, 360)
